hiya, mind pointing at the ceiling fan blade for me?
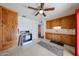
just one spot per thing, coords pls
(49, 9)
(42, 5)
(44, 14)
(36, 13)
(33, 8)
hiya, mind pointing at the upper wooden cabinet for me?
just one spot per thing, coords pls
(66, 22)
(49, 24)
(56, 22)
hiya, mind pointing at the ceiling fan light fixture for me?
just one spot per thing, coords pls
(41, 11)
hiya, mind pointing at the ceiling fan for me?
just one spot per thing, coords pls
(41, 9)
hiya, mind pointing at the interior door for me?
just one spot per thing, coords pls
(39, 30)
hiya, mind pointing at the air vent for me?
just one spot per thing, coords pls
(24, 16)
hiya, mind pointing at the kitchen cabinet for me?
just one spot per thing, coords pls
(49, 24)
(56, 37)
(68, 39)
(61, 38)
(56, 22)
(48, 36)
(68, 22)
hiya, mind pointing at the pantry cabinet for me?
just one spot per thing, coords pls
(0, 29)
(8, 28)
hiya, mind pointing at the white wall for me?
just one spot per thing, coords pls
(28, 24)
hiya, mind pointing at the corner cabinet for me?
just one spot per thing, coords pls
(8, 28)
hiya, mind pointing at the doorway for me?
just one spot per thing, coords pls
(40, 31)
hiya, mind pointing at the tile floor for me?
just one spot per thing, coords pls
(33, 49)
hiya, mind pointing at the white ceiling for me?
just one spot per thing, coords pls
(61, 9)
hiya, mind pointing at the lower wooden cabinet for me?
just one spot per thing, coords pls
(68, 39)
(48, 36)
(56, 37)
(61, 38)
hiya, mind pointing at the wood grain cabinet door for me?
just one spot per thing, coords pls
(6, 37)
(9, 29)
(68, 22)
(68, 39)
(0, 28)
(5, 22)
(12, 19)
(48, 36)
(5, 16)
(49, 24)
(13, 27)
(56, 37)
(56, 22)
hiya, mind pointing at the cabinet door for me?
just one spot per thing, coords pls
(13, 27)
(68, 22)
(56, 37)
(68, 39)
(49, 24)
(7, 29)
(0, 28)
(48, 36)
(56, 22)
(6, 38)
